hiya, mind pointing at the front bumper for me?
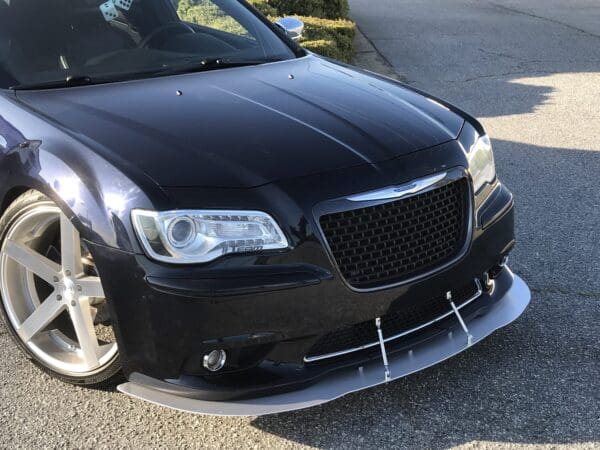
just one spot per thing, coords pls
(502, 311)
(269, 310)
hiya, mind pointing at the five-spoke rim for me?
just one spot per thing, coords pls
(39, 294)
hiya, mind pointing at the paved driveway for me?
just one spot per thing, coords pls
(531, 71)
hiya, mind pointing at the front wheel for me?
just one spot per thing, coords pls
(53, 303)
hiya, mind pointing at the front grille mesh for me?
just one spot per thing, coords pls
(387, 243)
(398, 320)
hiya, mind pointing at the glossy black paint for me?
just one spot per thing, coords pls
(246, 138)
(271, 377)
(324, 118)
(113, 164)
(272, 329)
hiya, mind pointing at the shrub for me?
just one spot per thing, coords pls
(321, 28)
(331, 38)
(325, 47)
(264, 7)
(327, 9)
(205, 12)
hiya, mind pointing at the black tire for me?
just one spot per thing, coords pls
(110, 373)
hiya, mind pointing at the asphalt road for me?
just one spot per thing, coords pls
(531, 71)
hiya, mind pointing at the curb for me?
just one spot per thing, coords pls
(369, 58)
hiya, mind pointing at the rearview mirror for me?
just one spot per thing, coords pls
(292, 26)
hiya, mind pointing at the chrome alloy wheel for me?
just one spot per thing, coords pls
(52, 294)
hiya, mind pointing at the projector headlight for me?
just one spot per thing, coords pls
(481, 163)
(192, 237)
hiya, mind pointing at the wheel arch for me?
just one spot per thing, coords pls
(11, 195)
(89, 214)
(94, 187)
(91, 192)
(19, 220)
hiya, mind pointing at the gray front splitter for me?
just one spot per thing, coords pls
(345, 381)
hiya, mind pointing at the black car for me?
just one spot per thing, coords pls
(234, 225)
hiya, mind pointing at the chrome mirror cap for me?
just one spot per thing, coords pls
(292, 26)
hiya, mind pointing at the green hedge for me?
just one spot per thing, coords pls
(326, 9)
(264, 7)
(205, 12)
(327, 32)
(333, 38)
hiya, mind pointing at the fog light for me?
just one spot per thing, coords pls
(215, 360)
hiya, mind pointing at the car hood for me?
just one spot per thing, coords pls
(249, 126)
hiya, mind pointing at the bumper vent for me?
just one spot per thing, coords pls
(398, 322)
(388, 243)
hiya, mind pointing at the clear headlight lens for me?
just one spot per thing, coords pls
(481, 163)
(191, 237)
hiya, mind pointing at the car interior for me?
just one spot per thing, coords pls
(72, 36)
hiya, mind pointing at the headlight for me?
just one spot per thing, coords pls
(191, 237)
(481, 163)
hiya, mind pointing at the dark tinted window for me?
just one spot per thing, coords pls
(47, 40)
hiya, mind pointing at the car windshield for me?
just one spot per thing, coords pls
(74, 42)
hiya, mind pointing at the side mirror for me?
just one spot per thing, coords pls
(292, 26)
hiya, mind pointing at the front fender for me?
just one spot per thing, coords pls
(98, 196)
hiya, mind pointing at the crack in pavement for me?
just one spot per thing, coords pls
(501, 55)
(521, 60)
(547, 19)
(558, 290)
(375, 49)
(507, 74)
(500, 75)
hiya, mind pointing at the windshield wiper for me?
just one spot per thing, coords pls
(70, 81)
(191, 67)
